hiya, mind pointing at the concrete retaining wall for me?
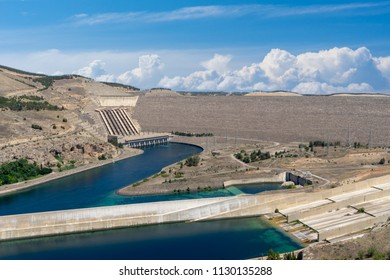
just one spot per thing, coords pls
(296, 179)
(347, 229)
(274, 179)
(118, 101)
(337, 205)
(102, 218)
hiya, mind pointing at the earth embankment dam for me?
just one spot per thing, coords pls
(278, 118)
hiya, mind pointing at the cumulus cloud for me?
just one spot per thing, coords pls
(94, 70)
(324, 88)
(322, 72)
(218, 63)
(148, 71)
(147, 74)
(383, 64)
(326, 71)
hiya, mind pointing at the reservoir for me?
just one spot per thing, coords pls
(245, 238)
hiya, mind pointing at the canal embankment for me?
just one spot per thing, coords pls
(26, 185)
(104, 218)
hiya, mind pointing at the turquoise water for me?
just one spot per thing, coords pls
(255, 187)
(96, 187)
(223, 239)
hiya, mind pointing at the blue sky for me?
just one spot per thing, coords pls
(307, 46)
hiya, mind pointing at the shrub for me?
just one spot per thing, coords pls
(192, 161)
(102, 157)
(370, 252)
(273, 255)
(35, 126)
(290, 256)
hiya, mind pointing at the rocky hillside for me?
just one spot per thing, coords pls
(51, 120)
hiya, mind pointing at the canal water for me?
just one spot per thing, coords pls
(223, 239)
(244, 238)
(96, 187)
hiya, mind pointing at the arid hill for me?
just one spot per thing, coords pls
(51, 120)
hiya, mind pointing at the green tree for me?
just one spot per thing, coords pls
(253, 156)
(272, 255)
(290, 256)
(238, 156)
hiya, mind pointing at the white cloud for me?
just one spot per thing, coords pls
(279, 67)
(94, 70)
(383, 64)
(337, 65)
(200, 80)
(218, 63)
(223, 11)
(148, 71)
(207, 79)
(323, 72)
(57, 73)
(324, 88)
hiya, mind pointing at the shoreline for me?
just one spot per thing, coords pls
(123, 191)
(202, 183)
(10, 189)
(198, 185)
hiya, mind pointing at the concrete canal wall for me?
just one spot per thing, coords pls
(103, 218)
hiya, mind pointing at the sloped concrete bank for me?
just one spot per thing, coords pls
(103, 218)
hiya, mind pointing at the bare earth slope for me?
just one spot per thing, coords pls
(372, 245)
(10, 83)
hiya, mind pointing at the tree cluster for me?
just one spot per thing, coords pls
(18, 104)
(190, 134)
(20, 170)
(252, 157)
(47, 81)
(320, 143)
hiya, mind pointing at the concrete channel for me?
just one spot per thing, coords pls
(332, 213)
